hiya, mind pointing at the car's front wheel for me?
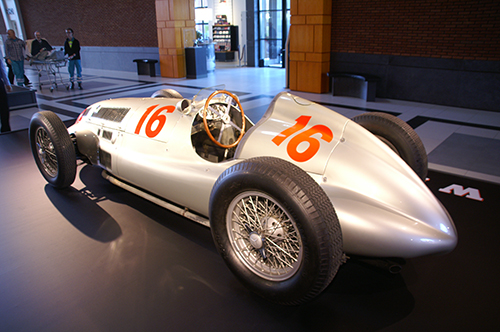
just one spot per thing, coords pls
(276, 229)
(52, 149)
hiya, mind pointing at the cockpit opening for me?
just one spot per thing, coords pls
(218, 127)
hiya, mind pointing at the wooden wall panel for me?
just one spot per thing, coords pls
(173, 17)
(308, 76)
(318, 7)
(301, 38)
(310, 38)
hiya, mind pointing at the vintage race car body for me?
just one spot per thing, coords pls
(157, 146)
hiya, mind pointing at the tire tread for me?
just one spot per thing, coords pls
(323, 216)
(378, 122)
(65, 151)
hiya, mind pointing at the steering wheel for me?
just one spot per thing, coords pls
(220, 111)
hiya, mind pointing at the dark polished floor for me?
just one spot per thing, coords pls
(97, 258)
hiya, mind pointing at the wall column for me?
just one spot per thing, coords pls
(174, 20)
(310, 39)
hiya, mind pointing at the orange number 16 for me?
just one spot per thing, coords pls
(160, 118)
(305, 136)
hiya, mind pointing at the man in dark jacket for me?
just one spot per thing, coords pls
(39, 44)
(72, 49)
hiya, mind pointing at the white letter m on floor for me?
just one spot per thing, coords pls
(459, 190)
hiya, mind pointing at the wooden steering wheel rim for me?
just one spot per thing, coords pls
(212, 138)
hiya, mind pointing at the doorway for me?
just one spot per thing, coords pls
(274, 23)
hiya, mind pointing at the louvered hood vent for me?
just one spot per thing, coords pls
(111, 114)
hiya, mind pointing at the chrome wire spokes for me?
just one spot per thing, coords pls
(264, 236)
(46, 152)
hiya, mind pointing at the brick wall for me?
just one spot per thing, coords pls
(448, 29)
(95, 22)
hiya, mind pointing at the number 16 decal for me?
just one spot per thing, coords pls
(161, 118)
(305, 136)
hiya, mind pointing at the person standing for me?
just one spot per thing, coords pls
(14, 54)
(72, 49)
(4, 104)
(10, 75)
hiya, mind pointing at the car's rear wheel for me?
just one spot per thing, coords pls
(276, 230)
(399, 136)
(52, 149)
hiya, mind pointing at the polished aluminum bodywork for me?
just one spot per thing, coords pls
(384, 208)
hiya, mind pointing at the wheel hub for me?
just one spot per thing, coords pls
(42, 154)
(264, 236)
(256, 240)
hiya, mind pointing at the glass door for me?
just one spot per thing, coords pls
(203, 15)
(274, 22)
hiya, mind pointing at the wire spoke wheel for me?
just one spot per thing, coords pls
(276, 229)
(46, 152)
(264, 236)
(53, 149)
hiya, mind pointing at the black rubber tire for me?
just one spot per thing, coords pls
(399, 136)
(56, 156)
(166, 93)
(313, 216)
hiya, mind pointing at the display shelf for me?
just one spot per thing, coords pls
(226, 41)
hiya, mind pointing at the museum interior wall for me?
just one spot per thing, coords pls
(443, 51)
(112, 32)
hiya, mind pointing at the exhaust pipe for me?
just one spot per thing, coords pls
(392, 265)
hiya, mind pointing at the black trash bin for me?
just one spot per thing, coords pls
(196, 62)
(146, 67)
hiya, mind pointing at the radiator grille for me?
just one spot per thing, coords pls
(111, 114)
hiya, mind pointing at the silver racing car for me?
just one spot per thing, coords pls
(287, 199)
